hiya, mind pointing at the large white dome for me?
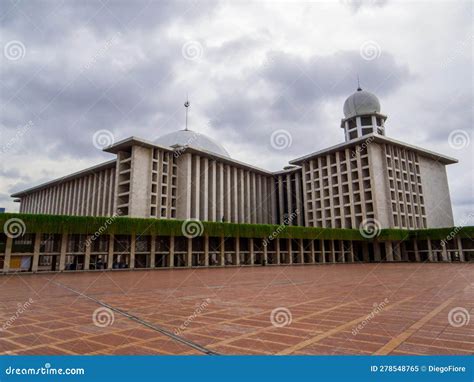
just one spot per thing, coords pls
(192, 139)
(360, 103)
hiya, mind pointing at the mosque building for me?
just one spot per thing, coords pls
(188, 175)
(369, 184)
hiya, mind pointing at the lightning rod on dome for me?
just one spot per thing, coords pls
(358, 83)
(186, 105)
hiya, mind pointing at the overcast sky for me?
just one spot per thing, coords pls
(72, 68)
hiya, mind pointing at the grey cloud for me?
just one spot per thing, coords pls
(36, 20)
(298, 90)
(357, 5)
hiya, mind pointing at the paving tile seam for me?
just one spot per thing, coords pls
(267, 329)
(337, 329)
(149, 325)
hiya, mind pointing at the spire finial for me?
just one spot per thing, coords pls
(186, 105)
(358, 84)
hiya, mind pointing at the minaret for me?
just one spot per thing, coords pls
(362, 115)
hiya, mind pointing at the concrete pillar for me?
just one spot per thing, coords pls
(333, 252)
(206, 250)
(36, 252)
(301, 251)
(258, 185)
(8, 254)
(313, 255)
(196, 187)
(252, 253)
(222, 253)
(430, 252)
(248, 213)
(462, 257)
(273, 188)
(110, 256)
(214, 216)
(189, 255)
(133, 242)
(323, 252)
(241, 188)
(152, 251)
(343, 251)
(254, 203)
(87, 257)
(277, 250)
(183, 203)
(351, 254)
(205, 207)
(220, 199)
(237, 251)
(171, 260)
(227, 193)
(290, 251)
(62, 257)
(389, 251)
(444, 253)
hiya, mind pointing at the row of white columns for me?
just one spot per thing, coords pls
(90, 195)
(219, 191)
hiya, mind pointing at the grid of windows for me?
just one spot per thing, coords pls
(163, 185)
(406, 193)
(338, 189)
(357, 127)
(124, 163)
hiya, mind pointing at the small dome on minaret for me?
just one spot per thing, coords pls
(361, 102)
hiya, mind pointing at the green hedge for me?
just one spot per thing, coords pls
(126, 225)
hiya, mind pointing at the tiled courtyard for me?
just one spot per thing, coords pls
(327, 309)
